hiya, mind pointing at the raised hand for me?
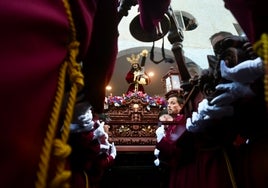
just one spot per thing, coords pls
(231, 92)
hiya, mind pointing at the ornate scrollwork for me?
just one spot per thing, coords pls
(134, 134)
(133, 123)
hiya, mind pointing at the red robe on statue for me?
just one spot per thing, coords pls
(131, 88)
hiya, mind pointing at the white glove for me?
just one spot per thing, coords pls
(160, 133)
(211, 111)
(105, 146)
(83, 122)
(194, 123)
(86, 117)
(198, 121)
(232, 92)
(156, 152)
(192, 127)
(245, 72)
(113, 150)
(218, 112)
(200, 110)
(99, 131)
(157, 162)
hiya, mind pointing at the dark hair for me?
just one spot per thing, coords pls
(220, 33)
(132, 69)
(217, 47)
(80, 109)
(175, 93)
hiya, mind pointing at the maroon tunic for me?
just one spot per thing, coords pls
(194, 161)
(34, 37)
(252, 15)
(86, 159)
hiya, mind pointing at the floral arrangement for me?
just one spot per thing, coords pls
(152, 101)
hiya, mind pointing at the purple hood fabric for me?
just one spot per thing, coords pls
(152, 12)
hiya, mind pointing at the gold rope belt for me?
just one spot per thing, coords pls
(261, 48)
(59, 146)
(230, 169)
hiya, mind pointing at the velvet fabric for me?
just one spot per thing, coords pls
(34, 36)
(197, 160)
(87, 158)
(251, 15)
(151, 13)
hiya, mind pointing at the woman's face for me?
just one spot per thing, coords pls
(173, 106)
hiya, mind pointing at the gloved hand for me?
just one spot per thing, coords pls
(207, 110)
(191, 123)
(156, 154)
(160, 133)
(217, 112)
(196, 123)
(102, 137)
(99, 131)
(245, 72)
(104, 143)
(82, 122)
(199, 119)
(105, 147)
(113, 151)
(157, 162)
(86, 117)
(232, 92)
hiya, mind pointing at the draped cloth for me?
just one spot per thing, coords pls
(152, 12)
(252, 15)
(34, 36)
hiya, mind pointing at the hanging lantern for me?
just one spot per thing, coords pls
(171, 80)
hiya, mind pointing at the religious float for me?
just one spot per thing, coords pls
(134, 120)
